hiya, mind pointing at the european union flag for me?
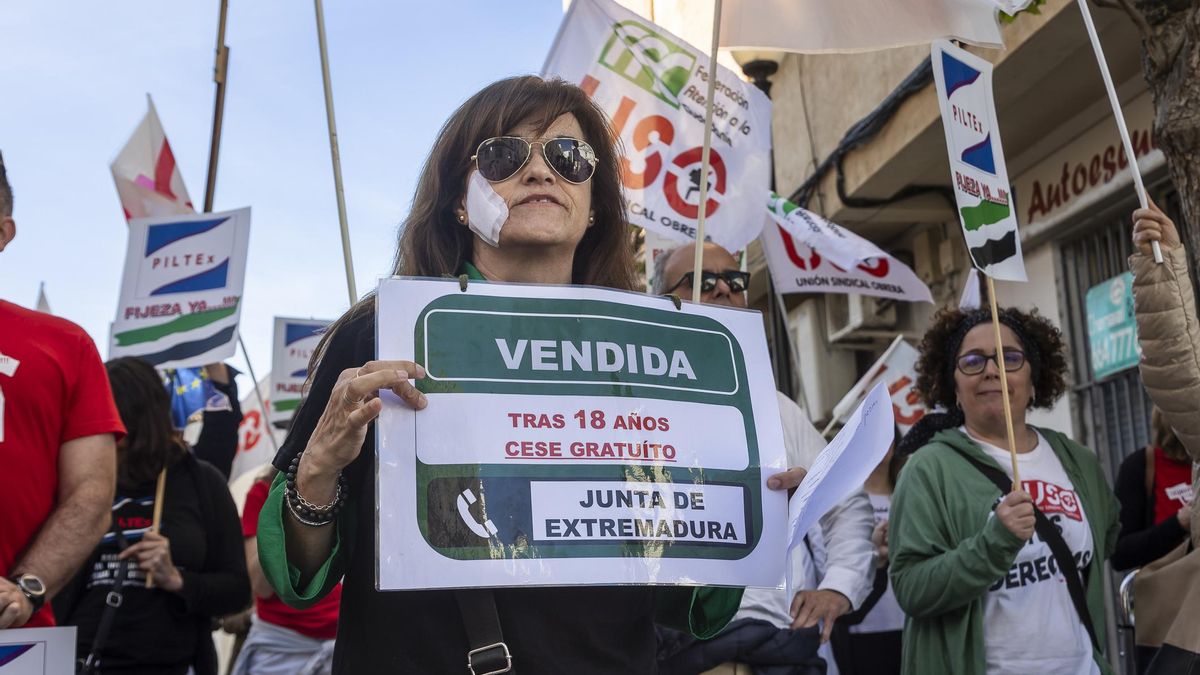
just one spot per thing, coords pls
(190, 391)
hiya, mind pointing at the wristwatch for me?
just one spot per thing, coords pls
(33, 588)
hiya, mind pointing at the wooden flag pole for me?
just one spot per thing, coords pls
(220, 77)
(159, 489)
(1012, 437)
(220, 73)
(335, 155)
(704, 155)
(1119, 115)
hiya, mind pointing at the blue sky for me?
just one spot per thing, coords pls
(74, 77)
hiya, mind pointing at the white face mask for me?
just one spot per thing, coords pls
(486, 210)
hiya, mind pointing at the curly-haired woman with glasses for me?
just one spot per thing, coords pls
(522, 185)
(983, 572)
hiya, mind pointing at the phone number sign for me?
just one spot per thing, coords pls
(575, 436)
(1112, 328)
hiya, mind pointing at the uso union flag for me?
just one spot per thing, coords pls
(182, 289)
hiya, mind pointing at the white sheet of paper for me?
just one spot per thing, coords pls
(844, 464)
(37, 651)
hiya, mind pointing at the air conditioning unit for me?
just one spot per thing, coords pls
(850, 316)
(825, 373)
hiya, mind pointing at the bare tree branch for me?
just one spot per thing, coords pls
(1138, 18)
(1153, 49)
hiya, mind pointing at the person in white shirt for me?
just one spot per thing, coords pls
(832, 572)
(868, 640)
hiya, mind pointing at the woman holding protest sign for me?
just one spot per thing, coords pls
(978, 566)
(521, 185)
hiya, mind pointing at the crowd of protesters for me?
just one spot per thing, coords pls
(940, 563)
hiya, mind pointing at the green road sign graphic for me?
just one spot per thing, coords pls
(648, 59)
(558, 348)
(546, 347)
(1112, 328)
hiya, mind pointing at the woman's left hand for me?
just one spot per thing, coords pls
(1151, 224)
(153, 556)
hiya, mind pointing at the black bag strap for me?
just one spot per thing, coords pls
(878, 588)
(487, 653)
(111, 604)
(1049, 533)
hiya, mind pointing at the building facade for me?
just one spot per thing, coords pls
(860, 138)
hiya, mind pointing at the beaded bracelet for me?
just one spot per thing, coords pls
(305, 511)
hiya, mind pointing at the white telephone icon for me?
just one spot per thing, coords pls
(485, 529)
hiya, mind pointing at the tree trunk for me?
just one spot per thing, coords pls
(1171, 65)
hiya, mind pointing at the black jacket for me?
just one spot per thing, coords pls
(157, 631)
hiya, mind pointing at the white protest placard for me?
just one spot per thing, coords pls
(653, 85)
(977, 168)
(844, 464)
(181, 293)
(809, 254)
(37, 651)
(896, 369)
(575, 436)
(295, 342)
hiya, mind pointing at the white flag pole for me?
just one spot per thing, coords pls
(1116, 107)
(704, 168)
(348, 260)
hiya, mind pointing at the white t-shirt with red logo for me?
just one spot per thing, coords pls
(1030, 624)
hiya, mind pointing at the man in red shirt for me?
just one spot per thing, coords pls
(58, 428)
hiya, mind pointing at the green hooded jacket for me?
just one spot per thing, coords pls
(945, 552)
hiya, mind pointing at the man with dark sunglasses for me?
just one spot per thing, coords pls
(722, 281)
(843, 540)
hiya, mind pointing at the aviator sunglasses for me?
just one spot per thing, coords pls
(737, 281)
(974, 363)
(500, 158)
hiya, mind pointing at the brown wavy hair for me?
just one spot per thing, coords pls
(1041, 340)
(151, 441)
(433, 243)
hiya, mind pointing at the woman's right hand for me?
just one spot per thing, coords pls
(352, 404)
(1016, 514)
